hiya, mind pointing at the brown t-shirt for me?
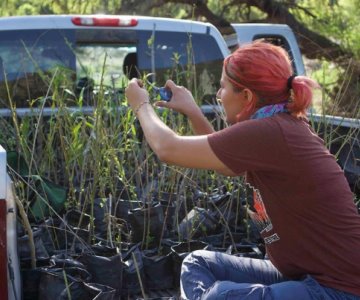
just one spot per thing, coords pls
(305, 208)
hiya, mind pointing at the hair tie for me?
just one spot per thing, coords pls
(289, 81)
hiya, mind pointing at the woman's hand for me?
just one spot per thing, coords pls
(136, 93)
(181, 101)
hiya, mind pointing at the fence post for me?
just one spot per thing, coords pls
(3, 214)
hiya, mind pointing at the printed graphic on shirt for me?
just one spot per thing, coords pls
(261, 218)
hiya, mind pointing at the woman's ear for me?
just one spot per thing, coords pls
(249, 96)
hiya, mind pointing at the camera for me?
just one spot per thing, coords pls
(165, 94)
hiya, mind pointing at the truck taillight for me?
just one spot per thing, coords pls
(105, 21)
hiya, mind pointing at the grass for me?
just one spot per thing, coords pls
(101, 154)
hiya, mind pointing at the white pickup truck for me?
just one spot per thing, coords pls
(126, 46)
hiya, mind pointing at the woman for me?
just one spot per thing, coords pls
(305, 209)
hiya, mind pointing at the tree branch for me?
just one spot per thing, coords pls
(312, 44)
(201, 9)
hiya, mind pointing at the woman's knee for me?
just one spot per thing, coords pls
(197, 258)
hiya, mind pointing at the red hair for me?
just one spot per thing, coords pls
(265, 69)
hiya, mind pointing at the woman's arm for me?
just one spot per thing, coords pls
(190, 152)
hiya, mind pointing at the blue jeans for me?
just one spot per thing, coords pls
(209, 275)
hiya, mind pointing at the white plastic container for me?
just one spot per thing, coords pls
(13, 267)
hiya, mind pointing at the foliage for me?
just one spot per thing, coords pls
(336, 19)
(236, 13)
